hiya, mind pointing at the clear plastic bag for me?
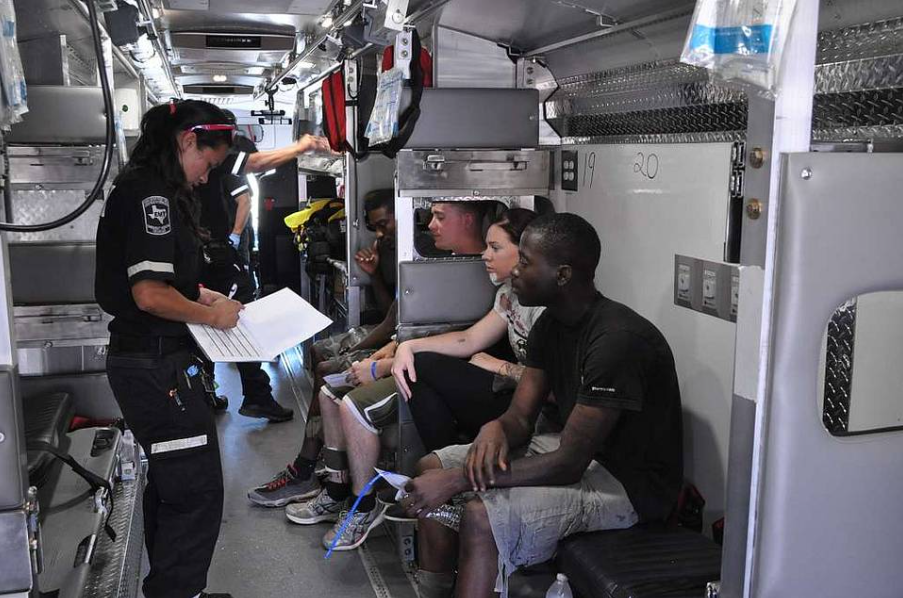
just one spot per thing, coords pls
(12, 75)
(740, 40)
(383, 123)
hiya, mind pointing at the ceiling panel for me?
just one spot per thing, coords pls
(302, 7)
(191, 20)
(529, 24)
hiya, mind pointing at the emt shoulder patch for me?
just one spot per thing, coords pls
(156, 215)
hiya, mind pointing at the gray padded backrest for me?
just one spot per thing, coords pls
(477, 118)
(443, 292)
(52, 273)
(82, 121)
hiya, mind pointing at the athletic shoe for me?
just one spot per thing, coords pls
(270, 410)
(322, 508)
(206, 595)
(359, 527)
(396, 513)
(285, 488)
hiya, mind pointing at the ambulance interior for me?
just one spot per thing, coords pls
(756, 227)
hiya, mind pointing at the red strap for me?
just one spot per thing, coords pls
(426, 64)
(388, 58)
(334, 110)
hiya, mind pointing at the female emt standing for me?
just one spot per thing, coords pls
(148, 262)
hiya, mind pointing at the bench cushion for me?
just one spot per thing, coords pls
(640, 562)
(47, 419)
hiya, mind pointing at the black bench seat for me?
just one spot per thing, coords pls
(47, 419)
(640, 562)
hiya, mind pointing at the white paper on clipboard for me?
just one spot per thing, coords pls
(266, 328)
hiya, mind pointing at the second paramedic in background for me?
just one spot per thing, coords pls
(225, 210)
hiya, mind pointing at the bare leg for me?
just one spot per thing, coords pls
(438, 544)
(478, 555)
(322, 369)
(332, 423)
(363, 449)
(438, 547)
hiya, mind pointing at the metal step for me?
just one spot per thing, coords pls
(73, 516)
(116, 569)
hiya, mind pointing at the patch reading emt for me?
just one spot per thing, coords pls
(156, 215)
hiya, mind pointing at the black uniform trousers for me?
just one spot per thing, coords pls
(222, 268)
(163, 400)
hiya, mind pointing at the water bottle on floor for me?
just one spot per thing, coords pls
(561, 588)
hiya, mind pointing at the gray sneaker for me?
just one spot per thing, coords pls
(359, 527)
(321, 508)
(286, 487)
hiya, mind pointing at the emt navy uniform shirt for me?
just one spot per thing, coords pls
(615, 358)
(219, 195)
(143, 236)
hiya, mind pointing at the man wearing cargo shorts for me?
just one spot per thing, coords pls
(618, 459)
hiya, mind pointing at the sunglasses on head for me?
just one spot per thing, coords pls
(196, 128)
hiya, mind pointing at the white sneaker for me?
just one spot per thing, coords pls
(321, 508)
(359, 527)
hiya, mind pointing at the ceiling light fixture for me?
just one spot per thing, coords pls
(306, 64)
(220, 78)
(255, 70)
(327, 21)
(155, 12)
(349, 22)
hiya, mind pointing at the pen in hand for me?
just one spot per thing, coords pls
(233, 290)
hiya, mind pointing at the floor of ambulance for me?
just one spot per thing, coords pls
(260, 554)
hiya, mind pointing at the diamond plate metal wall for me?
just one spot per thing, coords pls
(664, 101)
(40, 206)
(839, 369)
(859, 95)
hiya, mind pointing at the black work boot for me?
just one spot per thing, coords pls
(267, 408)
(217, 595)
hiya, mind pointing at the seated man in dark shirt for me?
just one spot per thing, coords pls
(618, 459)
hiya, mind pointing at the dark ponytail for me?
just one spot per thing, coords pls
(157, 149)
(514, 221)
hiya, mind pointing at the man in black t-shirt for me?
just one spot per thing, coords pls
(618, 459)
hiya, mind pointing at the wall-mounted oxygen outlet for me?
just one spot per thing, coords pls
(684, 281)
(708, 287)
(569, 170)
(710, 290)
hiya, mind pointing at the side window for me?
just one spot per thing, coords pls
(424, 241)
(861, 374)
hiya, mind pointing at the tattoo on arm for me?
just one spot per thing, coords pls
(512, 370)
